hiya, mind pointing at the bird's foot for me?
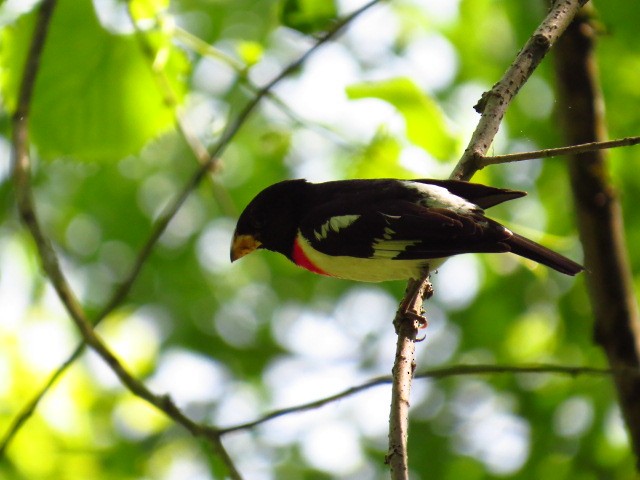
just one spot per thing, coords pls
(411, 306)
(407, 315)
(419, 318)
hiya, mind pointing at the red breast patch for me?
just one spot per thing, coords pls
(303, 261)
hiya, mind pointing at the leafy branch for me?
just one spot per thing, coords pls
(48, 256)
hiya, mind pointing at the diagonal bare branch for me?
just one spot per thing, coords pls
(206, 50)
(494, 103)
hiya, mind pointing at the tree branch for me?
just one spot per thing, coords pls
(199, 151)
(21, 161)
(204, 49)
(492, 106)
(556, 152)
(600, 222)
(48, 256)
(494, 103)
(434, 374)
(407, 323)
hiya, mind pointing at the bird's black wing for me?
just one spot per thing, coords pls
(400, 229)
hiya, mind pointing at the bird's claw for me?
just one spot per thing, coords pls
(416, 318)
(420, 319)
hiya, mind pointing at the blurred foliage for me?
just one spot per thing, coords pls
(308, 16)
(425, 122)
(229, 342)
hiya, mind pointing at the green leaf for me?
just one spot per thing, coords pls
(379, 159)
(95, 95)
(425, 122)
(308, 16)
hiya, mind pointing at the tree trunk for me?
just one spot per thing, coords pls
(608, 277)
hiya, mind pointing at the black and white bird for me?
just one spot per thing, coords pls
(384, 229)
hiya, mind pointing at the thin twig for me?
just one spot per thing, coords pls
(205, 49)
(29, 408)
(556, 152)
(540, 368)
(307, 406)
(170, 98)
(336, 28)
(197, 148)
(434, 374)
(494, 103)
(121, 292)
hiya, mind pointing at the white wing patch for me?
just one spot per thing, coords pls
(334, 224)
(440, 197)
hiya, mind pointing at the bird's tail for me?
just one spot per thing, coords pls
(533, 251)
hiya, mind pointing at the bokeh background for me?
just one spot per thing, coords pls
(391, 96)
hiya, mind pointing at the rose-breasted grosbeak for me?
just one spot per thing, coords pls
(386, 229)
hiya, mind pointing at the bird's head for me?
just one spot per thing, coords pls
(271, 219)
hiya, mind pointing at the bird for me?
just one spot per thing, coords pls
(375, 230)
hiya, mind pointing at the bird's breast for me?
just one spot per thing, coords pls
(357, 268)
(302, 259)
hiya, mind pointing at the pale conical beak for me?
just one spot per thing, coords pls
(243, 245)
